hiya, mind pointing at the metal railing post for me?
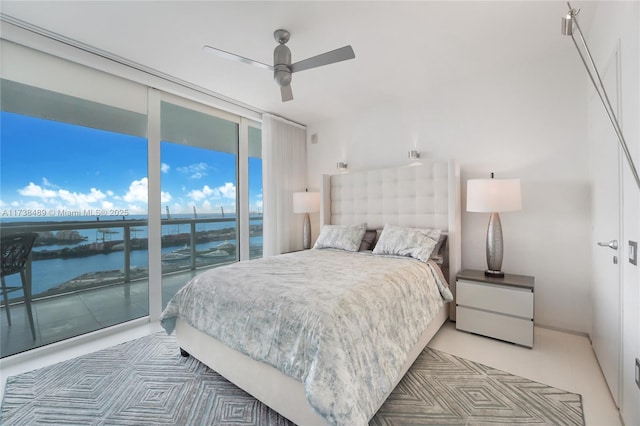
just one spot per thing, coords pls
(127, 260)
(127, 253)
(193, 244)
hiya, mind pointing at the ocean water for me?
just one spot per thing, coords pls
(50, 273)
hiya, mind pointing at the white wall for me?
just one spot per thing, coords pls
(526, 121)
(615, 22)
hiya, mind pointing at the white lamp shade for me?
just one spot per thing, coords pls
(306, 202)
(493, 195)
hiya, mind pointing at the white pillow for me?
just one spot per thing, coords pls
(412, 242)
(344, 237)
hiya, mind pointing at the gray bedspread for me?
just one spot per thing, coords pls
(341, 323)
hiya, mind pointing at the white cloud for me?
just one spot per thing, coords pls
(33, 190)
(60, 198)
(178, 208)
(137, 191)
(228, 190)
(164, 168)
(197, 171)
(50, 196)
(107, 205)
(135, 209)
(46, 182)
(32, 205)
(75, 199)
(205, 192)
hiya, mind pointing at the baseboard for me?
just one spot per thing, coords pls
(563, 330)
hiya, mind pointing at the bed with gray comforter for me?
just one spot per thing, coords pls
(341, 323)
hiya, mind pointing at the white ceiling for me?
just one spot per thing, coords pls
(403, 50)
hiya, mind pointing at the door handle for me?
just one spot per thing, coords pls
(613, 244)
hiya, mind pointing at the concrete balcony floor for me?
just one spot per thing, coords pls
(61, 317)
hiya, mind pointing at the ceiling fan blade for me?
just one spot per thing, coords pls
(286, 93)
(224, 54)
(327, 58)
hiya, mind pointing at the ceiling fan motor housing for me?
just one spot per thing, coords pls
(281, 62)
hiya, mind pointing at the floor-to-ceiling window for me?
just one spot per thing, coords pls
(78, 169)
(73, 171)
(199, 155)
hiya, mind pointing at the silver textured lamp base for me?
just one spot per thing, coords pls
(494, 247)
(306, 232)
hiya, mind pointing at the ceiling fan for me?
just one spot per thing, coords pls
(282, 67)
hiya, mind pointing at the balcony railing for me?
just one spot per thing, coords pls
(190, 257)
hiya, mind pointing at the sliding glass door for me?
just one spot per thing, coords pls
(83, 155)
(199, 156)
(74, 172)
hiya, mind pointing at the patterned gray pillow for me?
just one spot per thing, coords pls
(412, 242)
(344, 237)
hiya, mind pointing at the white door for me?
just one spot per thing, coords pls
(605, 295)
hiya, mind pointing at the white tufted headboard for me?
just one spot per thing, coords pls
(420, 196)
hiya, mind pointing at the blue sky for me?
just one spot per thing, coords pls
(54, 166)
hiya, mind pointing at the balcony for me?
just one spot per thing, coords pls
(103, 297)
(71, 314)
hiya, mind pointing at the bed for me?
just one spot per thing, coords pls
(332, 371)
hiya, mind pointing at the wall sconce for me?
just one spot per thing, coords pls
(414, 155)
(342, 166)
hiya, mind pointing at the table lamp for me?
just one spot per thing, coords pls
(494, 196)
(306, 202)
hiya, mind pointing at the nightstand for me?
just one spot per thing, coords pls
(501, 308)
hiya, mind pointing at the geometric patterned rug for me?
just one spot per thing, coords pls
(147, 382)
(443, 389)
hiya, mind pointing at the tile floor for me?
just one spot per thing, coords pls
(558, 359)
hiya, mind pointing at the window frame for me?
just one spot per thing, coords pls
(30, 44)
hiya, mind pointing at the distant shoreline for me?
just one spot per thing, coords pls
(170, 240)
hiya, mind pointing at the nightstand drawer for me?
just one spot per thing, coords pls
(511, 329)
(506, 300)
